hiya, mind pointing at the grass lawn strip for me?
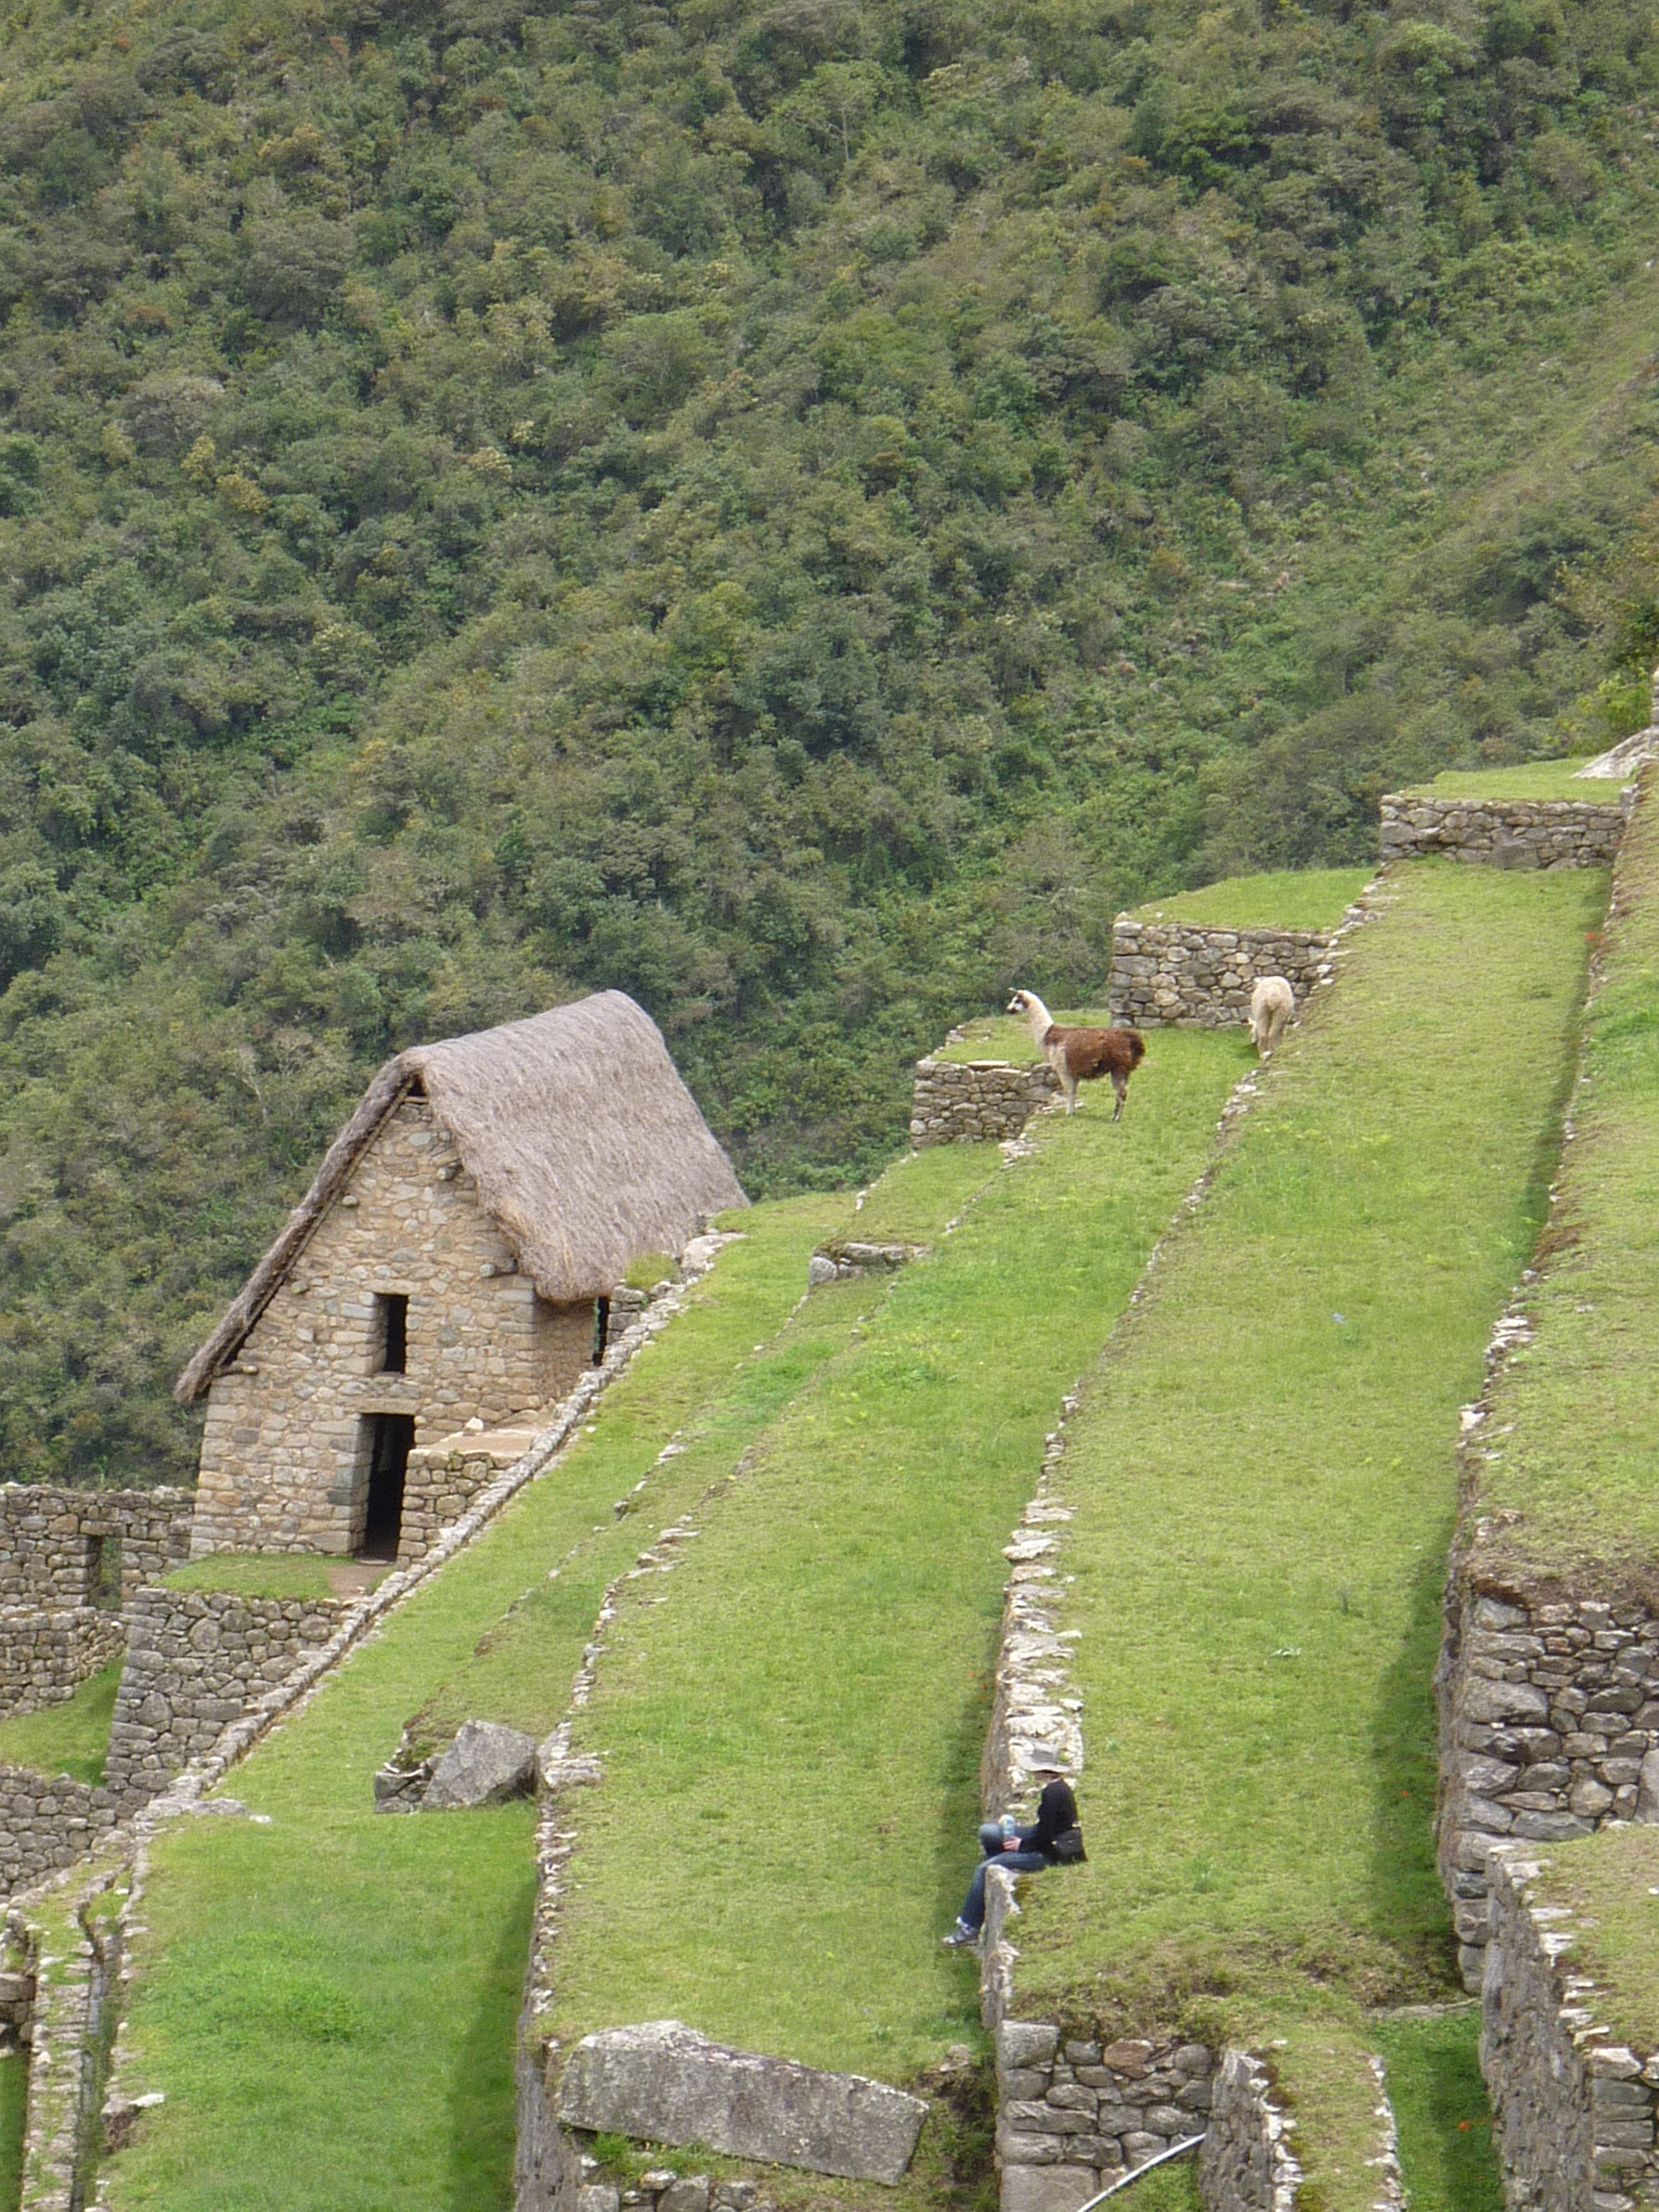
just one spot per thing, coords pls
(1264, 1485)
(1577, 1485)
(329, 2001)
(71, 1738)
(1288, 899)
(1447, 2152)
(1525, 780)
(791, 1731)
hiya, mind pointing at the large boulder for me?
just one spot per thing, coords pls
(486, 1765)
(664, 2082)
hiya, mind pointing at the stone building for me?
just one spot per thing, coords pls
(451, 1263)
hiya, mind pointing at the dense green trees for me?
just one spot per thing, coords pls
(797, 511)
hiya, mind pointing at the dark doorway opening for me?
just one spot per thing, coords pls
(391, 1333)
(389, 1439)
(104, 1573)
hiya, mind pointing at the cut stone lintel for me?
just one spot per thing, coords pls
(661, 2082)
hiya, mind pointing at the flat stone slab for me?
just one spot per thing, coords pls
(664, 2082)
(486, 1765)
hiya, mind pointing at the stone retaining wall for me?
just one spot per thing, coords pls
(1173, 973)
(968, 1102)
(1247, 2164)
(1072, 2116)
(1509, 833)
(43, 1654)
(1548, 1710)
(1575, 2111)
(47, 1821)
(70, 2031)
(53, 1542)
(196, 1660)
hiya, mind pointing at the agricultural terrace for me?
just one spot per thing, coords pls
(1575, 1493)
(1265, 1485)
(329, 2001)
(791, 1724)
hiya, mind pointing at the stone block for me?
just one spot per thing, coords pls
(1023, 2043)
(486, 1765)
(664, 2082)
(1048, 2188)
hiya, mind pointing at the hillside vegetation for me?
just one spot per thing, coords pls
(798, 510)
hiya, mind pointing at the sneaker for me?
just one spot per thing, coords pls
(960, 1937)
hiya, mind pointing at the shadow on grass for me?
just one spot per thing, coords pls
(1447, 2151)
(1409, 1910)
(481, 2098)
(955, 1843)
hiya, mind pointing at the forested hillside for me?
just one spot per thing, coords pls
(798, 511)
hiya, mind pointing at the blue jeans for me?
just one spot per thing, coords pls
(1014, 1861)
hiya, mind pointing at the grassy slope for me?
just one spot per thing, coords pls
(1525, 780)
(1578, 1471)
(14, 2114)
(791, 1732)
(1439, 2099)
(72, 1738)
(1266, 1484)
(328, 2001)
(1287, 898)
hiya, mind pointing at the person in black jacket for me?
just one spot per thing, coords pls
(1023, 1852)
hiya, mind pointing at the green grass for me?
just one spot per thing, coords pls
(329, 2001)
(792, 1731)
(1447, 2152)
(1550, 778)
(72, 1738)
(13, 2118)
(1580, 1473)
(255, 1574)
(1288, 899)
(1610, 1882)
(1265, 1482)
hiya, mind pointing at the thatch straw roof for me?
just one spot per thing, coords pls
(587, 1148)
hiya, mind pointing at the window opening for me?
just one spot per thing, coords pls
(104, 1573)
(601, 1328)
(391, 1333)
(387, 1444)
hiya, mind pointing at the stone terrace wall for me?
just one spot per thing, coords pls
(196, 1660)
(1247, 2164)
(49, 1535)
(966, 1102)
(1072, 2116)
(43, 1654)
(1509, 833)
(1173, 973)
(46, 1822)
(1547, 1712)
(1575, 2111)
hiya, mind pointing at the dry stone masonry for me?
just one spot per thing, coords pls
(1576, 2107)
(1174, 973)
(1549, 1729)
(87, 1547)
(1505, 833)
(1247, 2164)
(47, 1821)
(43, 1654)
(198, 1660)
(1065, 2104)
(977, 1101)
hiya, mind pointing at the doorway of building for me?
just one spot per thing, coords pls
(386, 1445)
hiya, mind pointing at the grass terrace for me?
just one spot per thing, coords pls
(1536, 780)
(1578, 1484)
(1285, 898)
(71, 1738)
(1265, 1482)
(329, 2001)
(791, 1724)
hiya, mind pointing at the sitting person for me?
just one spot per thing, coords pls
(1025, 1851)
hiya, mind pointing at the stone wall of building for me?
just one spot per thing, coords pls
(1173, 973)
(1548, 1710)
(43, 1654)
(61, 1548)
(1509, 833)
(969, 1102)
(1576, 2109)
(198, 1660)
(47, 1821)
(284, 1452)
(1090, 2112)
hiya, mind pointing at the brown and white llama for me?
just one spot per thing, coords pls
(1078, 1055)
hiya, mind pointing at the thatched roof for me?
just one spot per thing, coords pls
(587, 1148)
